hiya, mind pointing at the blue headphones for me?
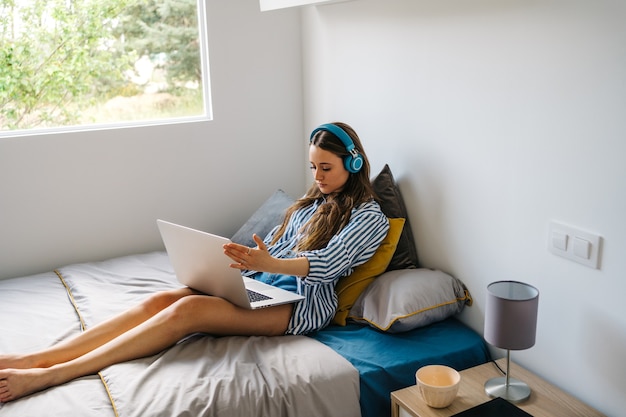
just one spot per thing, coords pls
(353, 162)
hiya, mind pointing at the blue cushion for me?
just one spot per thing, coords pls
(270, 214)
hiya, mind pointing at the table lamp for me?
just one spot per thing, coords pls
(511, 324)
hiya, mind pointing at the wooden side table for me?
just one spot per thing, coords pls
(545, 400)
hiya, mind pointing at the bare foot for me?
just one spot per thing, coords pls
(17, 383)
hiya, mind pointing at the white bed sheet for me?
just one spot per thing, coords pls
(200, 376)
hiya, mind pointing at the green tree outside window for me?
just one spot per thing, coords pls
(77, 62)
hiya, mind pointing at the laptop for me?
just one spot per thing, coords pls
(199, 262)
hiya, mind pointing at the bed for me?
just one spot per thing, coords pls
(395, 322)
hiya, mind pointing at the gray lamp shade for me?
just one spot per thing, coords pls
(511, 315)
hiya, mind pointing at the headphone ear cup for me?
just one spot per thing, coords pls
(353, 163)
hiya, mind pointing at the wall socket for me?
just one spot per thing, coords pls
(574, 244)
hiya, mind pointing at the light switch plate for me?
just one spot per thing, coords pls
(574, 244)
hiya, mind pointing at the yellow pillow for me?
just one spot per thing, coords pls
(349, 288)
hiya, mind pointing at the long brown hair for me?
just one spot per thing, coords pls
(334, 214)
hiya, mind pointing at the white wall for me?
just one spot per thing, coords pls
(91, 195)
(497, 117)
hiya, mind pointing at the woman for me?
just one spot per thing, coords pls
(335, 227)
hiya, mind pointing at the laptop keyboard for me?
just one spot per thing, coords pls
(255, 296)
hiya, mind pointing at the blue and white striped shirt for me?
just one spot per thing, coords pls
(354, 245)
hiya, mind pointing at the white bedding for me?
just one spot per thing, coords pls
(200, 376)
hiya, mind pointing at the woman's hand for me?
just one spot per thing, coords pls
(244, 257)
(259, 259)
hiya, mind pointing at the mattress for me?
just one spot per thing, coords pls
(339, 371)
(200, 376)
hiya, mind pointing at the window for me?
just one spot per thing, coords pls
(84, 63)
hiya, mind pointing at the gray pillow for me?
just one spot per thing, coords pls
(392, 204)
(402, 300)
(269, 215)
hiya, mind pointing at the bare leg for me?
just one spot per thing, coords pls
(191, 314)
(95, 336)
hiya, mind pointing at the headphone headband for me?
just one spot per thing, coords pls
(353, 162)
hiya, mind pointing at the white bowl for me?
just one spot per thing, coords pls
(438, 384)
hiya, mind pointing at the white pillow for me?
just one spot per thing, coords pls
(404, 299)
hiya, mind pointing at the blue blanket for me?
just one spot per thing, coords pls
(388, 362)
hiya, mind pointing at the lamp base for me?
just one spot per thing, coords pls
(514, 392)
